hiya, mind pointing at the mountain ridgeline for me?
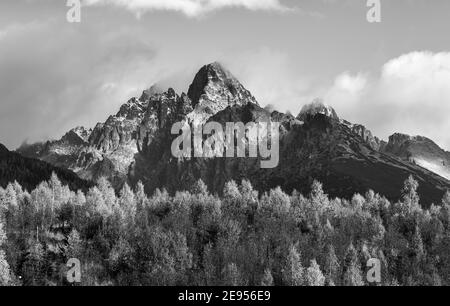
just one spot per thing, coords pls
(29, 172)
(135, 145)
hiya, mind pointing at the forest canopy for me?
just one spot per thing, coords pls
(241, 238)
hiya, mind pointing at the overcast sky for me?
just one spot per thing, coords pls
(393, 76)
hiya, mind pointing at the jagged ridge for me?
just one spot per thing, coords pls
(135, 145)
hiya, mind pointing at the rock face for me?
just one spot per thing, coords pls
(317, 107)
(320, 148)
(374, 142)
(213, 89)
(110, 149)
(420, 151)
(135, 145)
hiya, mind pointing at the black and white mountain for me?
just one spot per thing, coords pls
(135, 145)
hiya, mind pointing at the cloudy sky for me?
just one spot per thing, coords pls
(393, 76)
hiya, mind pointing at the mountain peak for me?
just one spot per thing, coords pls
(421, 151)
(216, 66)
(317, 107)
(153, 90)
(78, 135)
(214, 88)
(216, 70)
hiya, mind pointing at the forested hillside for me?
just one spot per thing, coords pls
(30, 172)
(242, 238)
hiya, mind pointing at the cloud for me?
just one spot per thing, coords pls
(346, 93)
(190, 8)
(351, 84)
(74, 76)
(15, 28)
(410, 95)
(53, 80)
(271, 77)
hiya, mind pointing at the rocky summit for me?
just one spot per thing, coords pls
(317, 107)
(420, 151)
(214, 88)
(135, 145)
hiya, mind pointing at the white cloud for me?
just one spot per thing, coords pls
(352, 84)
(271, 77)
(191, 8)
(77, 77)
(15, 28)
(411, 95)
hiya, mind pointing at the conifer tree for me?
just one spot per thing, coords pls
(232, 200)
(199, 188)
(127, 202)
(33, 268)
(332, 266)
(293, 269)
(5, 275)
(317, 195)
(141, 206)
(232, 276)
(352, 270)
(267, 279)
(74, 245)
(410, 197)
(417, 247)
(314, 276)
(209, 268)
(445, 211)
(353, 276)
